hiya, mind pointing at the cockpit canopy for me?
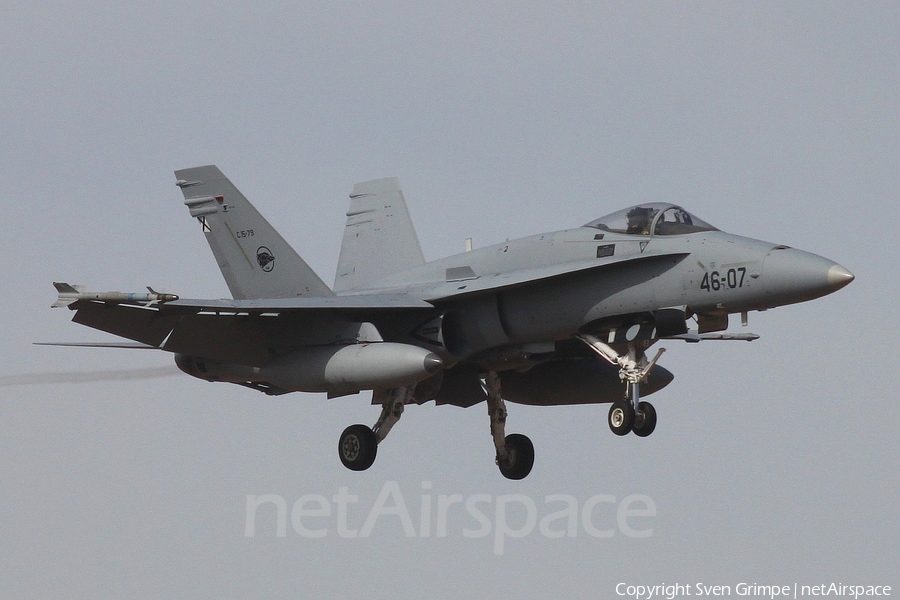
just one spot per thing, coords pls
(659, 218)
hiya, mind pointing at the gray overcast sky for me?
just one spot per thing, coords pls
(774, 462)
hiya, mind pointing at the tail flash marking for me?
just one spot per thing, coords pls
(254, 259)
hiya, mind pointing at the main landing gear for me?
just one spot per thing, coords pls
(358, 444)
(631, 415)
(515, 452)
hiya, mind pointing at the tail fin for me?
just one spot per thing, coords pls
(254, 259)
(379, 238)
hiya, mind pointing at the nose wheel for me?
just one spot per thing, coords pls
(621, 417)
(631, 414)
(624, 420)
(644, 420)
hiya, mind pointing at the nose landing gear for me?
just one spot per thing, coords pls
(631, 414)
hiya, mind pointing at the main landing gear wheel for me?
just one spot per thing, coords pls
(357, 447)
(515, 452)
(519, 457)
(644, 420)
(621, 417)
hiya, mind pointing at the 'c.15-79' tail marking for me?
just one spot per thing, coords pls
(254, 259)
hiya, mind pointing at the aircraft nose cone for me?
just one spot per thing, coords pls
(792, 275)
(838, 277)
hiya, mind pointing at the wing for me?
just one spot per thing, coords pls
(251, 332)
(346, 304)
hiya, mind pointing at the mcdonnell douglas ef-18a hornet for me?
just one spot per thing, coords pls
(558, 318)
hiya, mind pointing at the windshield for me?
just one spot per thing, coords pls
(658, 217)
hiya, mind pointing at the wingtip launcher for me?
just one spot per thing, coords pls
(73, 293)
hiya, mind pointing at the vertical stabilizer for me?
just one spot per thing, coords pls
(379, 238)
(254, 259)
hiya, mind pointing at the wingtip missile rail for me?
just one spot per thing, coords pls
(73, 293)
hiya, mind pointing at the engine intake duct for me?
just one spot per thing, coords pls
(663, 323)
(444, 331)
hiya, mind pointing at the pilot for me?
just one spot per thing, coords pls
(639, 220)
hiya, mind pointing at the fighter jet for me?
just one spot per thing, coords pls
(565, 317)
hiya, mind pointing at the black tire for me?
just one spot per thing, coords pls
(621, 417)
(644, 420)
(357, 447)
(520, 457)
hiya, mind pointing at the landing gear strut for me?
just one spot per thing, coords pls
(630, 414)
(515, 452)
(358, 444)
